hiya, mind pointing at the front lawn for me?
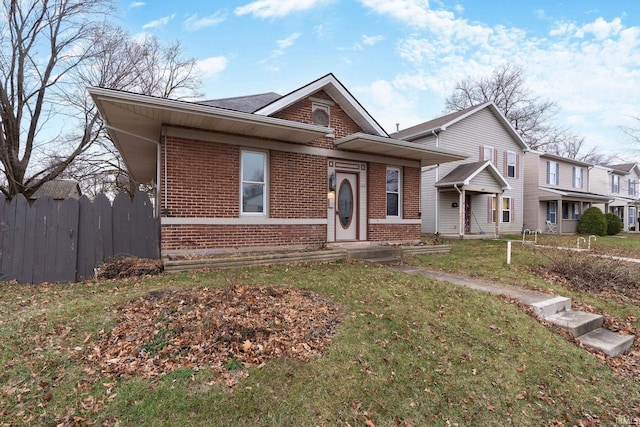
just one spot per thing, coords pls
(407, 351)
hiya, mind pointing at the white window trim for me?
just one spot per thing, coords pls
(552, 168)
(514, 164)
(399, 170)
(555, 211)
(578, 177)
(265, 197)
(491, 153)
(503, 210)
(615, 184)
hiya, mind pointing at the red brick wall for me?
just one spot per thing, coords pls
(341, 123)
(298, 185)
(199, 237)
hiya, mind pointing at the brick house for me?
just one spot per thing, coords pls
(302, 170)
(482, 195)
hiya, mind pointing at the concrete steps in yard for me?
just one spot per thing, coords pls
(586, 327)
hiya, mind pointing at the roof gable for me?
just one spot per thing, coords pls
(465, 173)
(441, 123)
(340, 95)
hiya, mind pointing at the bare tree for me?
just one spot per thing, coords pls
(529, 115)
(41, 43)
(50, 51)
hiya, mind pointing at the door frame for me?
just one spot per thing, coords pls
(359, 169)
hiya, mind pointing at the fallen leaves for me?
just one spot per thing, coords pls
(167, 330)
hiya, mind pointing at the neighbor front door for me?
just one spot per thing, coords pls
(346, 206)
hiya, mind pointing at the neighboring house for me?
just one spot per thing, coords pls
(620, 183)
(481, 195)
(59, 189)
(557, 191)
(301, 170)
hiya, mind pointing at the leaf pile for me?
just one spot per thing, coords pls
(129, 267)
(222, 328)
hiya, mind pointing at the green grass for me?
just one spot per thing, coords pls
(409, 351)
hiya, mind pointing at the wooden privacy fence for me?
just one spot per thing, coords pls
(63, 241)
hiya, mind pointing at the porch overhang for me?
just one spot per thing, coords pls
(389, 147)
(135, 123)
(621, 201)
(555, 194)
(462, 177)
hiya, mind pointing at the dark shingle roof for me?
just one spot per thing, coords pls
(626, 167)
(59, 189)
(432, 124)
(461, 173)
(245, 104)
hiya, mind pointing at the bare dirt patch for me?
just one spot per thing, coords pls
(226, 329)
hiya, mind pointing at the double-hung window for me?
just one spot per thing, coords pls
(553, 170)
(511, 164)
(253, 191)
(633, 187)
(488, 153)
(615, 184)
(506, 209)
(578, 177)
(552, 212)
(393, 191)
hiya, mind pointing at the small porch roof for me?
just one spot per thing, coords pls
(462, 175)
(385, 146)
(555, 194)
(624, 201)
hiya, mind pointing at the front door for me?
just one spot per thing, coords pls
(347, 206)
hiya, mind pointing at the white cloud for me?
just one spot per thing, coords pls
(195, 23)
(159, 22)
(602, 29)
(371, 40)
(135, 4)
(212, 66)
(388, 105)
(289, 41)
(277, 8)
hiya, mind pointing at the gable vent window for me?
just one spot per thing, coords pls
(320, 114)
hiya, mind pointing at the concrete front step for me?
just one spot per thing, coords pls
(576, 322)
(373, 252)
(551, 306)
(384, 261)
(610, 343)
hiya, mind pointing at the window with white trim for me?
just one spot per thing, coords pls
(552, 212)
(506, 209)
(553, 169)
(578, 177)
(615, 184)
(633, 187)
(511, 164)
(570, 210)
(488, 153)
(393, 191)
(253, 182)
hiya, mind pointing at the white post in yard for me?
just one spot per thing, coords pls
(509, 252)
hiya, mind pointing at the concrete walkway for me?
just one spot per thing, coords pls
(586, 327)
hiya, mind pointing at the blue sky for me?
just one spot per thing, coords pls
(402, 58)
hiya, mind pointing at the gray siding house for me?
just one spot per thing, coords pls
(621, 183)
(481, 196)
(557, 191)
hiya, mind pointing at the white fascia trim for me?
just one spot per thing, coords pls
(310, 89)
(394, 221)
(286, 147)
(242, 221)
(111, 95)
(496, 173)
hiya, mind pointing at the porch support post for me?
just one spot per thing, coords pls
(559, 215)
(497, 214)
(461, 211)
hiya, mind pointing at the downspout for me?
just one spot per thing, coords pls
(461, 208)
(164, 132)
(437, 203)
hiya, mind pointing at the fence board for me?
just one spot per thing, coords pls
(42, 207)
(26, 275)
(18, 236)
(122, 229)
(7, 254)
(67, 242)
(4, 205)
(87, 239)
(50, 238)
